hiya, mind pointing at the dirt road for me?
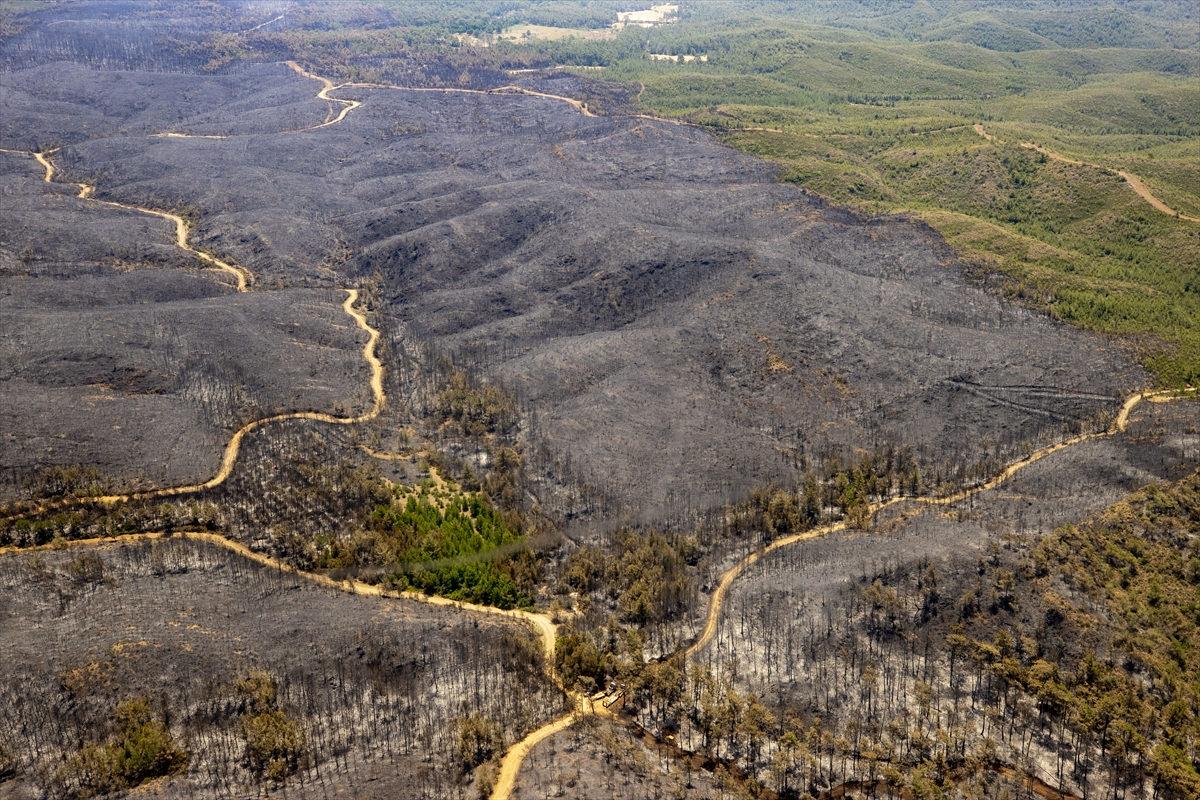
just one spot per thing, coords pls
(513, 759)
(232, 448)
(1133, 181)
(327, 86)
(1120, 423)
(241, 275)
(229, 459)
(541, 624)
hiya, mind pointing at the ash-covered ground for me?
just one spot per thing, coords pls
(124, 354)
(787, 587)
(793, 627)
(374, 685)
(599, 759)
(678, 327)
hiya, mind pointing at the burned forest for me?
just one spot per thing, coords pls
(510, 400)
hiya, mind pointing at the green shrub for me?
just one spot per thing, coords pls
(143, 749)
(258, 688)
(579, 661)
(274, 743)
(477, 740)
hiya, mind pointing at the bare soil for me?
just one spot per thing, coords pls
(598, 759)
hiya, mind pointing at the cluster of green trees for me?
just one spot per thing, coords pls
(638, 582)
(594, 651)
(274, 741)
(645, 575)
(842, 489)
(140, 749)
(474, 409)
(478, 739)
(1140, 562)
(1092, 638)
(439, 540)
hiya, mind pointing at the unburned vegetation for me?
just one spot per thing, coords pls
(654, 374)
(441, 540)
(1028, 644)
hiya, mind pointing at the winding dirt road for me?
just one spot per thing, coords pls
(183, 230)
(545, 627)
(510, 765)
(233, 447)
(348, 106)
(327, 86)
(1132, 181)
(511, 88)
(513, 759)
(541, 624)
(1119, 424)
(229, 459)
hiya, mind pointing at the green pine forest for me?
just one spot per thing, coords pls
(873, 104)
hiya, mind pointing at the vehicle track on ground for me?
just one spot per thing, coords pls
(545, 628)
(508, 89)
(717, 599)
(1131, 180)
(1119, 424)
(543, 625)
(327, 86)
(183, 229)
(348, 106)
(233, 447)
